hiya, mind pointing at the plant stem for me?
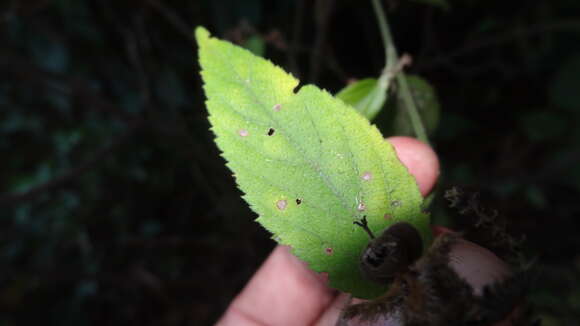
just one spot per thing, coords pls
(411, 108)
(391, 58)
(390, 50)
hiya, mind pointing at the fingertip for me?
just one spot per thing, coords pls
(282, 286)
(420, 159)
(438, 230)
(477, 265)
(333, 312)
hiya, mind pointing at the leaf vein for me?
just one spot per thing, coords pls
(322, 175)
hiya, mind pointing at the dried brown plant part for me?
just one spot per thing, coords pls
(455, 283)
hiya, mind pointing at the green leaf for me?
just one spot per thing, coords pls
(364, 95)
(427, 104)
(309, 165)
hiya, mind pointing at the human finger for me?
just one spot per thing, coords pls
(420, 159)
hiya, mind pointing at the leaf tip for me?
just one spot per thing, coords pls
(201, 34)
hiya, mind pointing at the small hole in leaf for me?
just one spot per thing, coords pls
(329, 251)
(367, 176)
(298, 201)
(243, 132)
(277, 107)
(396, 203)
(361, 206)
(281, 204)
(271, 131)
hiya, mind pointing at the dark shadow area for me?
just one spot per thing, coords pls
(116, 208)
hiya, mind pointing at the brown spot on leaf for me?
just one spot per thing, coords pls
(277, 107)
(329, 251)
(243, 132)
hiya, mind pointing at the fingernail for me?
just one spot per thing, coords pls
(477, 265)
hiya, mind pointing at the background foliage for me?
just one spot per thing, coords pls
(115, 207)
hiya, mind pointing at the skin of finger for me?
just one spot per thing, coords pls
(477, 265)
(420, 159)
(284, 291)
(333, 311)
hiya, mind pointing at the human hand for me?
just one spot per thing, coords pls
(284, 291)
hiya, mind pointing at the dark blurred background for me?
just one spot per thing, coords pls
(116, 209)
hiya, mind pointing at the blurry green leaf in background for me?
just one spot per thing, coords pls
(427, 105)
(365, 96)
